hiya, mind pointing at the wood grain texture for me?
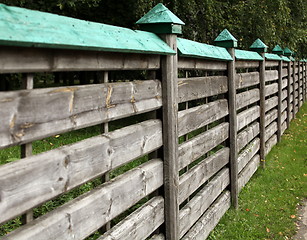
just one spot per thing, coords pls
(284, 72)
(201, 64)
(199, 174)
(201, 87)
(283, 127)
(284, 94)
(262, 108)
(271, 89)
(62, 169)
(270, 130)
(158, 237)
(244, 80)
(248, 116)
(248, 171)
(248, 134)
(200, 116)
(284, 83)
(283, 105)
(271, 75)
(246, 98)
(271, 103)
(25, 59)
(271, 63)
(247, 64)
(284, 116)
(210, 218)
(139, 224)
(246, 155)
(270, 116)
(198, 146)
(98, 206)
(270, 143)
(197, 206)
(29, 115)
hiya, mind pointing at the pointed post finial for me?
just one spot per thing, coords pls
(258, 46)
(278, 50)
(287, 52)
(161, 20)
(226, 39)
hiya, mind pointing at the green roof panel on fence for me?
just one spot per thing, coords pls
(189, 48)
(272, 56)
(28, 28)
(258, 46)
(278, 50)
(285, 59)
(247, 55)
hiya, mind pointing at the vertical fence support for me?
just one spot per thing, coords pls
(299, 84)
(294, 100)
(279, 101)
(233, 129)
(26, 149)
(262, 109)
(305, 79)
(289, 95)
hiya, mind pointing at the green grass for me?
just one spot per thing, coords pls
(267, 204)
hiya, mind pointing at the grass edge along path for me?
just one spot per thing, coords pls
(268, 203)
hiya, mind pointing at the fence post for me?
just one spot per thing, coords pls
(261, 48)
(225, 39)
(162, 21)
(287, 52)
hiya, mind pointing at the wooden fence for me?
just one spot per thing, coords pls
(206, 126)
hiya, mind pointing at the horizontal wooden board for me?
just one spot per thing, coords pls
(271, 75)
(270, 117)
(270, 143)
(201, 64)
(30, 115)
(284, 94)
(198, 146)
(271, 89)
(271, 63)
(284, 72)
(248, 134)
(248, 171)
(158, 237)
(200, 116)
(197, 206)
(270, 130)
(139, 224)
(247, 64)
(62, 169)
(199, 174)
(246, 98)
(26, 59)
(283, 116)
(284, 105)
(244, 80)
(210, 218)
(284, 83)
(246, 155)
(201, 87)
(283, 127)
(271, 103)
(247, 116)
(98, 206)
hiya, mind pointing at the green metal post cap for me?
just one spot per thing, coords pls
(258, 46)
(287, 51)
(161, 20)
(278, 50)
(226, 39)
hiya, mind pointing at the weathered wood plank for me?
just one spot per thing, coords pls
(271, 89)
(158, 237)
(196, 147)
(271, 103)
(248, 116)
(201, 87)
(247, 64)
(64, 168)
(270, 117)
(283, 127)
(200, 173)
(271, 75)
(284, 94)
(284, 72)
(248, 171)
(201, 64)
(246, 98)
(98, 206)
(210, 218)
(283, 116)
(25, 59)
(197, 117)
(271, 63)
(284, 83)
(29, 115)
(139, 224)
(262, 108)
(270, 143)
(248, 134)
(248, 153)
(244, 80)
(270, 130)
(283, 105)
(196, 207)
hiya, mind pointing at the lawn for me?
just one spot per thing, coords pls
(267, 204)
